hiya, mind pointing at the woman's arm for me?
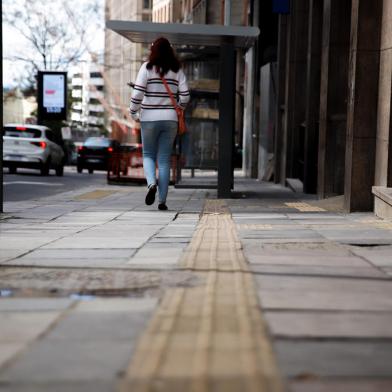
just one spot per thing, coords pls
(139, 90)
(183, 91)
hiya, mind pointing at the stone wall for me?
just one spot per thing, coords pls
(383, 175)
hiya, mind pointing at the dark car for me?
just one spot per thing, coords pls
(95, 153)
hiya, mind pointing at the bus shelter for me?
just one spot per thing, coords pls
(227, 39)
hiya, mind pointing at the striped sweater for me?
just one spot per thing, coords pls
(151, 98)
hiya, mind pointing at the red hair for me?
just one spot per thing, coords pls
(162, 56)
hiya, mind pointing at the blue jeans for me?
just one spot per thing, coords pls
(157, 139)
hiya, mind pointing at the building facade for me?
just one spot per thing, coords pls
(122, 58)
(166, 11)
(87, 111)
(331, 121)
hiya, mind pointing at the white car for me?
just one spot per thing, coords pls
(32, 146)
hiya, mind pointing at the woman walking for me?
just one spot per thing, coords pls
(158, 118)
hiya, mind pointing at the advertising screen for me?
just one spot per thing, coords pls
(52, 93)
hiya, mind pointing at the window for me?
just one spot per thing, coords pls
(95, 75)
(97, 141)
(22, 132)
(146, 4)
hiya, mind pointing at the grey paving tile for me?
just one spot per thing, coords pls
(93, 243)
(21, 243)
(330, 324)
(8, 350)
(69, 360)
(96, 326)
(335, 358)
(34, 304)
(325, 284)
(309, 270)
(69, 263)
(129, 305)
(77, 254)
(311, 260)
(313, 300)
(26, 326)
(7, 254)
(68, 386)
(345, 385)
(387, 270)
(380, 256)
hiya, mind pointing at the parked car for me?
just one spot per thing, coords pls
(32, 146)
(95, 153)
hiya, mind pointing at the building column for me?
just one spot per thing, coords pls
(293, 138)
(384, 124)
(280, 165)
(362, 105)
(313, 72)
(333, 96)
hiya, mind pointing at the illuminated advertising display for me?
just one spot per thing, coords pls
(52, 95)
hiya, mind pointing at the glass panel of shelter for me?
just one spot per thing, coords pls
(199, 147)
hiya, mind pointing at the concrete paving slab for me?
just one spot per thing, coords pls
(20, 243)
(153, 262)
(156, 252)
(324, 300)
(23, 327)
(282, 235)
(92, 243)
(129, 305)
(77, 254)
(380, 255)
(345, 385)
(69, 263)
(8, 350)
(9, 254)
(326, 261)
(297, 249)
(34, 304)
(330, 324)
(310, 270)
(335, 358)
(321, 284)
(387, 270)
(69, 360)
(97, 326)
(69, 386)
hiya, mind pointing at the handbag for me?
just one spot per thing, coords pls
(180, 113)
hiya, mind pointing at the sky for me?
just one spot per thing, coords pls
(14, 42)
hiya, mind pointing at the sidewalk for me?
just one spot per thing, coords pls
(267, 291)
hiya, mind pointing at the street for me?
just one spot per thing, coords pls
(29, 184)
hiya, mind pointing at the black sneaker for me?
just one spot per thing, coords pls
(162, 207)
(150, 197)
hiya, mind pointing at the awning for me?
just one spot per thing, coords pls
(185, 34)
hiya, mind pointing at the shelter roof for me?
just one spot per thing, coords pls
(185, 34)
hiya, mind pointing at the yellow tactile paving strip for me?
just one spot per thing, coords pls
(97, 194)
(211, 337)
(304, 207)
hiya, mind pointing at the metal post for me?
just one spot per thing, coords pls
(226, 119)
(1, 113)
(227, 14)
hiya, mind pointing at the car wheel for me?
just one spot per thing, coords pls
(60, 171)
(45, 168)
(79, 169)
(90, 171)
(12, 169)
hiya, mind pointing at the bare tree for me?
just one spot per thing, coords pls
(51, 41)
